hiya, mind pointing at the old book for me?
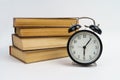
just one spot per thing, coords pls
(32, 32)
(38, 55)
(39, 42)
(44, 22)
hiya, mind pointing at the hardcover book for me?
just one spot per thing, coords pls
(34, 32)
(38, 55)
(33, 43)
(44, 22)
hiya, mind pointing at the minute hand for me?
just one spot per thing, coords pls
(88, 42)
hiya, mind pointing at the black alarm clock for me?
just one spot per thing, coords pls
(85, 46)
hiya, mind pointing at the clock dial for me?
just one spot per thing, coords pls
(84, 47)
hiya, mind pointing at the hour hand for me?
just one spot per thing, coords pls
(83, 52)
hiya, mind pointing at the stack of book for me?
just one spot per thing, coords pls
(37, 39)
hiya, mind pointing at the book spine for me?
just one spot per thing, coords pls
(44, 22)
(42, 32)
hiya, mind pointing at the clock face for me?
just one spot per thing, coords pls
(84, 47)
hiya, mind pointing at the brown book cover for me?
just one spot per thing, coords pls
(34, 32)
(38, 55)
(33, 43)
(44, 22)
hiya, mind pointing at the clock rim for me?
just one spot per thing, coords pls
(101, 47)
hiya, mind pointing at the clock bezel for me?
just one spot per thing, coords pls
(101, 47)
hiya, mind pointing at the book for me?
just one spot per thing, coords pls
(38, 55)
(32, 32)
(33, 43)
(44, 22)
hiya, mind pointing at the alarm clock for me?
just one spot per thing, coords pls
(85, 46)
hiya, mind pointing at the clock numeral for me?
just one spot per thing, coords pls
(78, 56)
(94, 41)
(96, 47)
(90, 36)
(83, 57)
(75, 41)
(73, 52)
(72, 47)
(79, 37)
(84, 35)
(90, 57)
(94, 53)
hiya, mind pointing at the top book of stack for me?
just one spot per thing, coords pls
(44, 22)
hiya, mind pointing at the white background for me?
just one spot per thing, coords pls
(105, 12)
